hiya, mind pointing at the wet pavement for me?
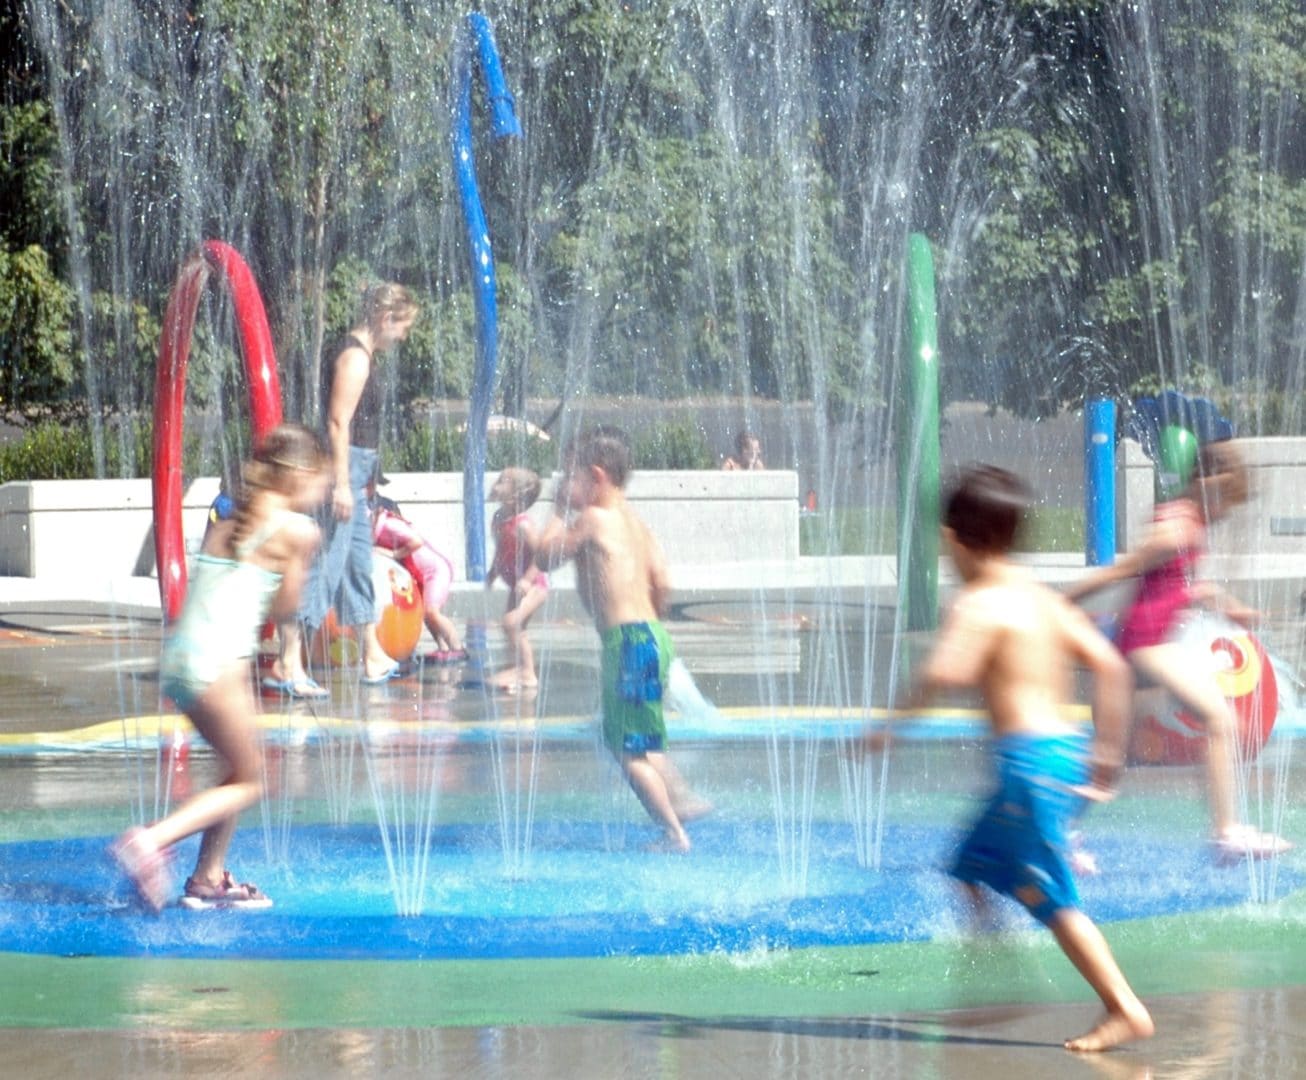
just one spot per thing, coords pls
(1217, 1035)
(1226, 992)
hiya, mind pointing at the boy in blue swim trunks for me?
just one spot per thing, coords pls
(622, 580)
(1015, 640)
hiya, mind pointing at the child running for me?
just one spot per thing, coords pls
(622, 581)
(250, 567)
(393, 532)
(1013, 639)
(528, 587)
(1165, 565)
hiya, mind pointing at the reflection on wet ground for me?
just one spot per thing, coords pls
(1202, 1037)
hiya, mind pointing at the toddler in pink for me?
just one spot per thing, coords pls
(394, 533)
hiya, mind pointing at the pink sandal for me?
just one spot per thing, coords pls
(144, 864)
(447, 656)
(226, 894)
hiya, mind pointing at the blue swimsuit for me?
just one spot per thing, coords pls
(1018, 845)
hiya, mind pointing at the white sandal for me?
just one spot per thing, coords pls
(1248, 842)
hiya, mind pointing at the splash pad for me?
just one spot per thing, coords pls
(582, 920)
(590, 891)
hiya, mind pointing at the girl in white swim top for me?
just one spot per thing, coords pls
(250, 569)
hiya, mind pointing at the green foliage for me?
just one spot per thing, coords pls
(1024, 259)
(57, 451)
(672, 446)
(437, 359)
(873, 531)
(48, 451)
(1264, 44)
(127, 335)
(63, 450)
(742, 248)
(710, 198)
(508, 449)
(29, 178)
(345, 288)
(425, 447)
(1261, 204)
(35, 330)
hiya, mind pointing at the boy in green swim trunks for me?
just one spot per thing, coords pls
(622, 580)
(1015, 640)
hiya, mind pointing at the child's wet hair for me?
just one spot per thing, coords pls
(524, 485)
(1224, 458)
(606, 446)
(986, 508)
(287, 453)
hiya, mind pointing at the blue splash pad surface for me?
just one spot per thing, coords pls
(334, 900)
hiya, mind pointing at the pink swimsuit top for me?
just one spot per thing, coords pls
(389, 530)
(512, 559)
(1164, 592)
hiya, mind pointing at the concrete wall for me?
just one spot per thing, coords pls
(708, 522)
(103, 528)
(78, 528)
(699, 517)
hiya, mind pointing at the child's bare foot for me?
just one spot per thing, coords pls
(145, 864)
(1084, 863)
(671, 844)
(693, 809)
(511, 679)
(1115, 1028)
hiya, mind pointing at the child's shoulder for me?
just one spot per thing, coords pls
(1004, 595)
(291, 525)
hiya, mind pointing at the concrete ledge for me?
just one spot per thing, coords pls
(77, 528)
(1270, 583)
(96, 529)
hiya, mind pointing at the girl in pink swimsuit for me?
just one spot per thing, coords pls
(432, 570)
(528, 587)
(1165, 566)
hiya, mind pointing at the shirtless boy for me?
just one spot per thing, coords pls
(622, 580)
(1014, 640)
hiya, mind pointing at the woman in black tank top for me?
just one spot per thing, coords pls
(342, 575)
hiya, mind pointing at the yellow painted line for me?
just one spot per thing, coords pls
(153, 727)
(18, 639)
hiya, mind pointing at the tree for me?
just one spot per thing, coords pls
(35, 330)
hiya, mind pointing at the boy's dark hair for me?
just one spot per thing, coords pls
(743, 439)
(606, 446)
(985, 509)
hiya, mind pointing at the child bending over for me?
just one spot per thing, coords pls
(393, 532)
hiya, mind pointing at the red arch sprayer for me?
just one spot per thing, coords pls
(170, 396)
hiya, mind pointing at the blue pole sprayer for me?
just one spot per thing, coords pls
(1099, 482)
(476, 35)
